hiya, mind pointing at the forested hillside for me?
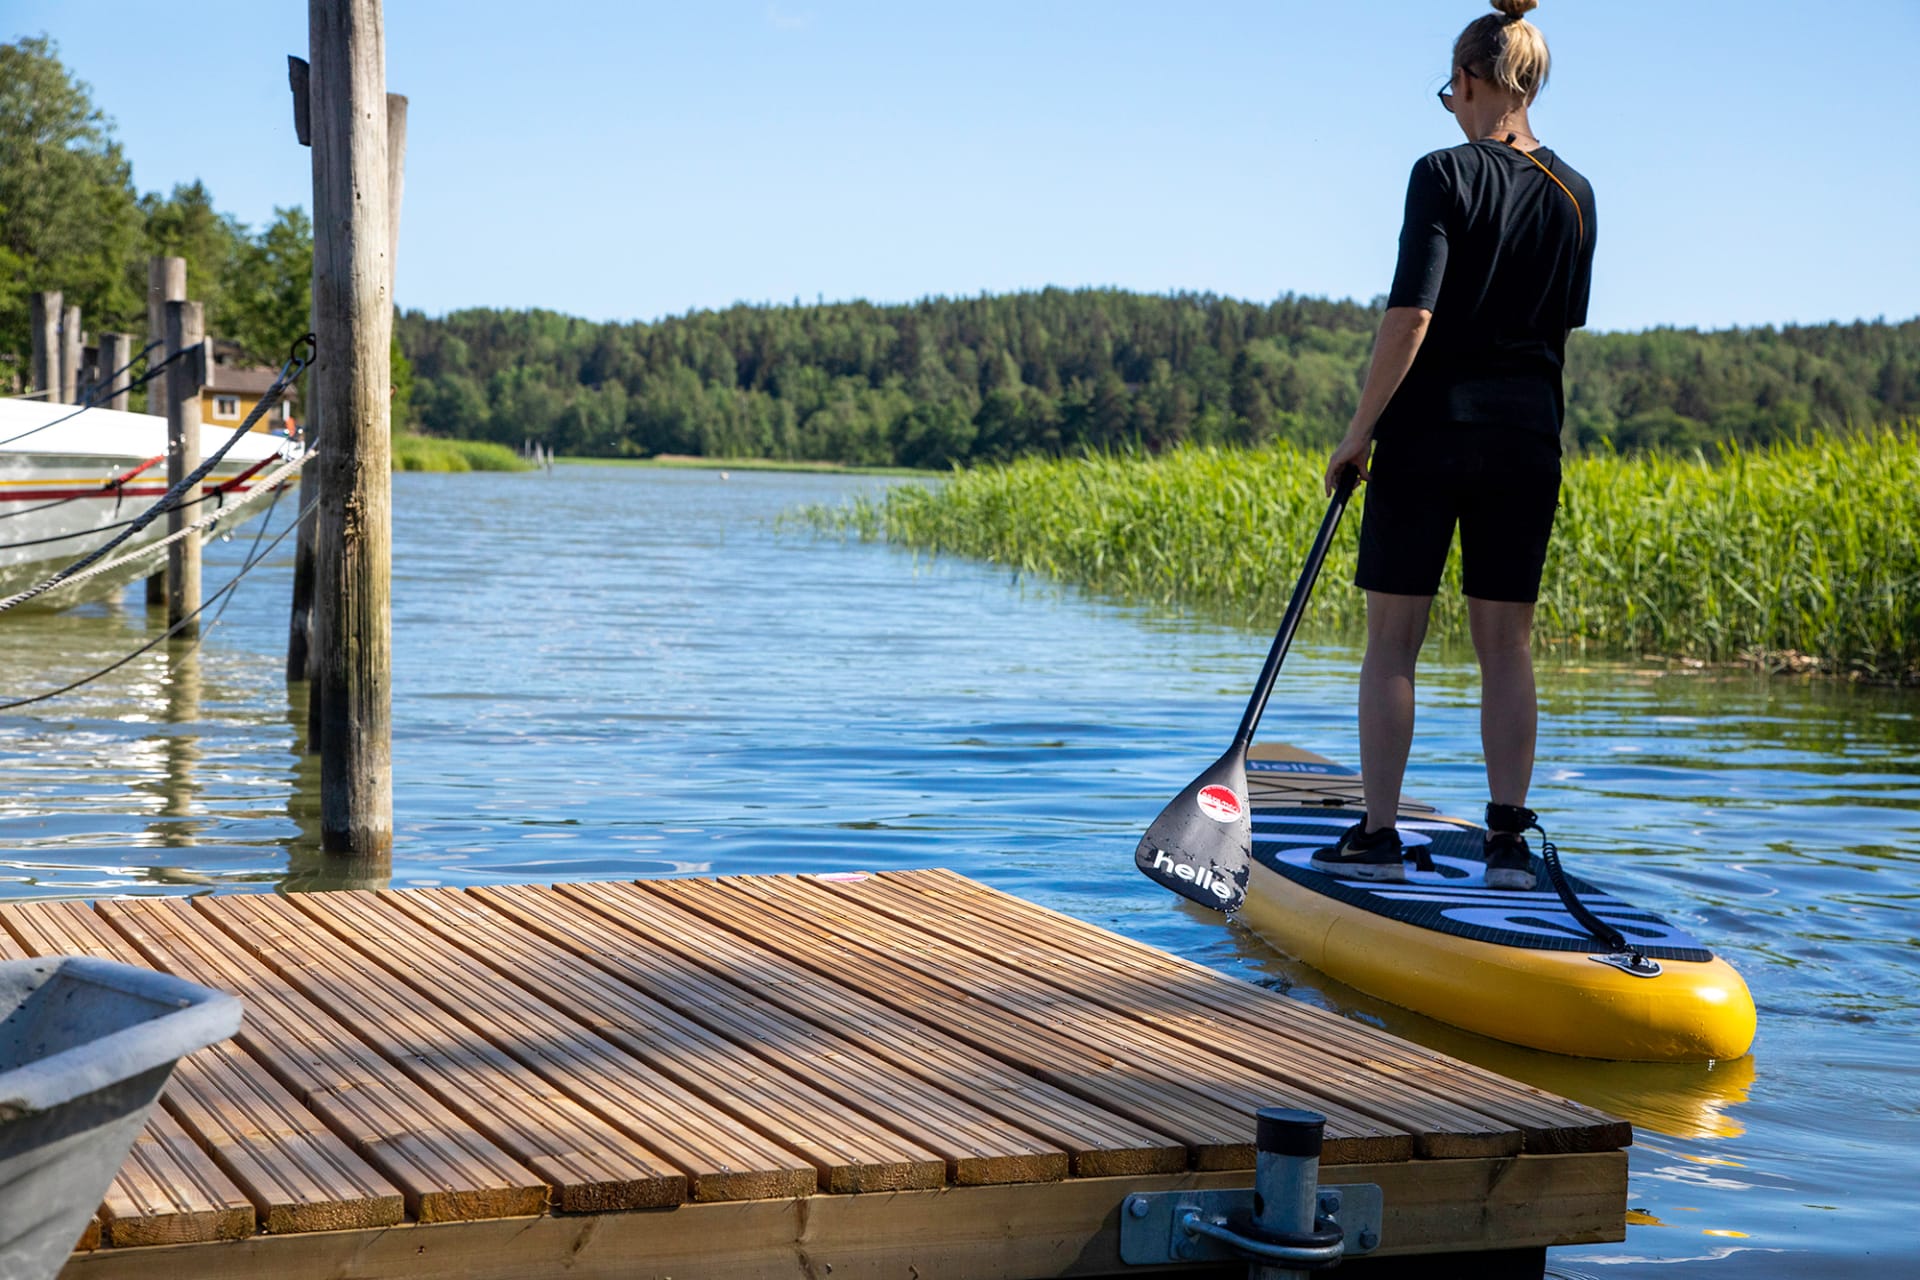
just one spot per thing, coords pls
(989, 378)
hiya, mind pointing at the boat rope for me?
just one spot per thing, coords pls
(216, 494)
(93, 388)
(87, 402)
(298, 361)
(117, 483)
(254, 557)
(1520, 818)
(269, 483)
(246, 564)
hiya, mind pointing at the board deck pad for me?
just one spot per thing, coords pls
(1452, 898)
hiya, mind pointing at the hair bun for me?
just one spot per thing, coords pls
(1516, 9)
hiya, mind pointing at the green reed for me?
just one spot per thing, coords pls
(1809, 548)
(434, 453)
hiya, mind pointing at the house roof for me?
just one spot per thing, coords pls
(227, 380)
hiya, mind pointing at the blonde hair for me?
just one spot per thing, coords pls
(1505, 49)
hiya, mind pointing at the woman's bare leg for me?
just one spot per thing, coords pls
(1395, 627)
(1509, 711)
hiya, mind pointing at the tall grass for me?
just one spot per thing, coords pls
(433, 453)
(1810, 548)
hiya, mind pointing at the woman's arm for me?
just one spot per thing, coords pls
(1401, 332)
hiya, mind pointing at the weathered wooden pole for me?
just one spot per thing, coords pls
(43, 312)
(300, 618)
(72, 344)
(300, 664)
(166, 282)
(353, 323)
(301, 667)
(116, 349)
(186, 327)
(396, 182)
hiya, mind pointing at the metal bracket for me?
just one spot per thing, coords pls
(1154, 1225)
(1630, 962)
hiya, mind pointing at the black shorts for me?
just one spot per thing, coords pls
(1500, 484)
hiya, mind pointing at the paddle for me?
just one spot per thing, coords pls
(1201, 845)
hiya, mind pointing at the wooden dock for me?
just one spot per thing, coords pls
(900, 1074)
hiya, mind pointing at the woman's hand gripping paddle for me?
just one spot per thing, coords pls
(1201, 845)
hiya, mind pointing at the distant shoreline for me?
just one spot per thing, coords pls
(692, 462)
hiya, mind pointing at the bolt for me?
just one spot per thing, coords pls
(1137, 1206)
(1369, 1240)
(1329, 1204)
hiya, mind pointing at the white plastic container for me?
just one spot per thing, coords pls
(85, 1047)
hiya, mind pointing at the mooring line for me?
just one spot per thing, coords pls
(93, 388)
(297, 364)
(211, 494)
(253, 560)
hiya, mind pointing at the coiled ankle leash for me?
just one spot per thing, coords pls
(1515, 819)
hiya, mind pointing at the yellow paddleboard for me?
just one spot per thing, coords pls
(1504, 963)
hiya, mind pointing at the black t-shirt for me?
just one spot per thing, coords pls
(1502, 254)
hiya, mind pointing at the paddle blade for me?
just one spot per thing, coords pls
(1201, 845)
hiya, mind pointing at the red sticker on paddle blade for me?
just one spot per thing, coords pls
(1220, 803)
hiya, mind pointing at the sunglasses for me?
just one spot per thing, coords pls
(1446, 95)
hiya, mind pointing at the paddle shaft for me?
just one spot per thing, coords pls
(1296, 608)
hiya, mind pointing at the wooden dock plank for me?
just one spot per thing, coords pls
(1073, 963)
(1091, 1025)
(169, 1192)
(722, 1159)
(1550, 1123)
(1100, 1142)
(590, 1165)
(851, 1152)
(634, 1045)
(1216, 1131)
(1067, 1229)
(297, 1174)
(977, 1145)
(447, 1170)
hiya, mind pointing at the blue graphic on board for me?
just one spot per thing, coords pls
(1451, 898)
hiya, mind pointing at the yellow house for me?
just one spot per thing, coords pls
(233, 388)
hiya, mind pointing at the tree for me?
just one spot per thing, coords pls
(68, 215)
(267, 289)
(186, 225)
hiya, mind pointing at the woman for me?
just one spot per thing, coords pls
(1464, 402)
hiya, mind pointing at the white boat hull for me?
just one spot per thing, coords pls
(65, 489)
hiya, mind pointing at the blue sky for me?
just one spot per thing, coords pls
(1753, 159)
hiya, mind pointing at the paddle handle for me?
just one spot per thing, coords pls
(1296, 608)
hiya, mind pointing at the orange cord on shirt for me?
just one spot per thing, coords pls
(1580, 217)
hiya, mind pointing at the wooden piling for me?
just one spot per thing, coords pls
(72, 345)
(43, 310)
(186, 327)
(396, 181)
(116, 349)
(166, 282)
(300, 663)
(300, 613)
(353, 321)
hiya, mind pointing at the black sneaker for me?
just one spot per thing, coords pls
(1363, 855)
(1509, 861)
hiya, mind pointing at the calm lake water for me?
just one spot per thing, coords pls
(614, 673)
